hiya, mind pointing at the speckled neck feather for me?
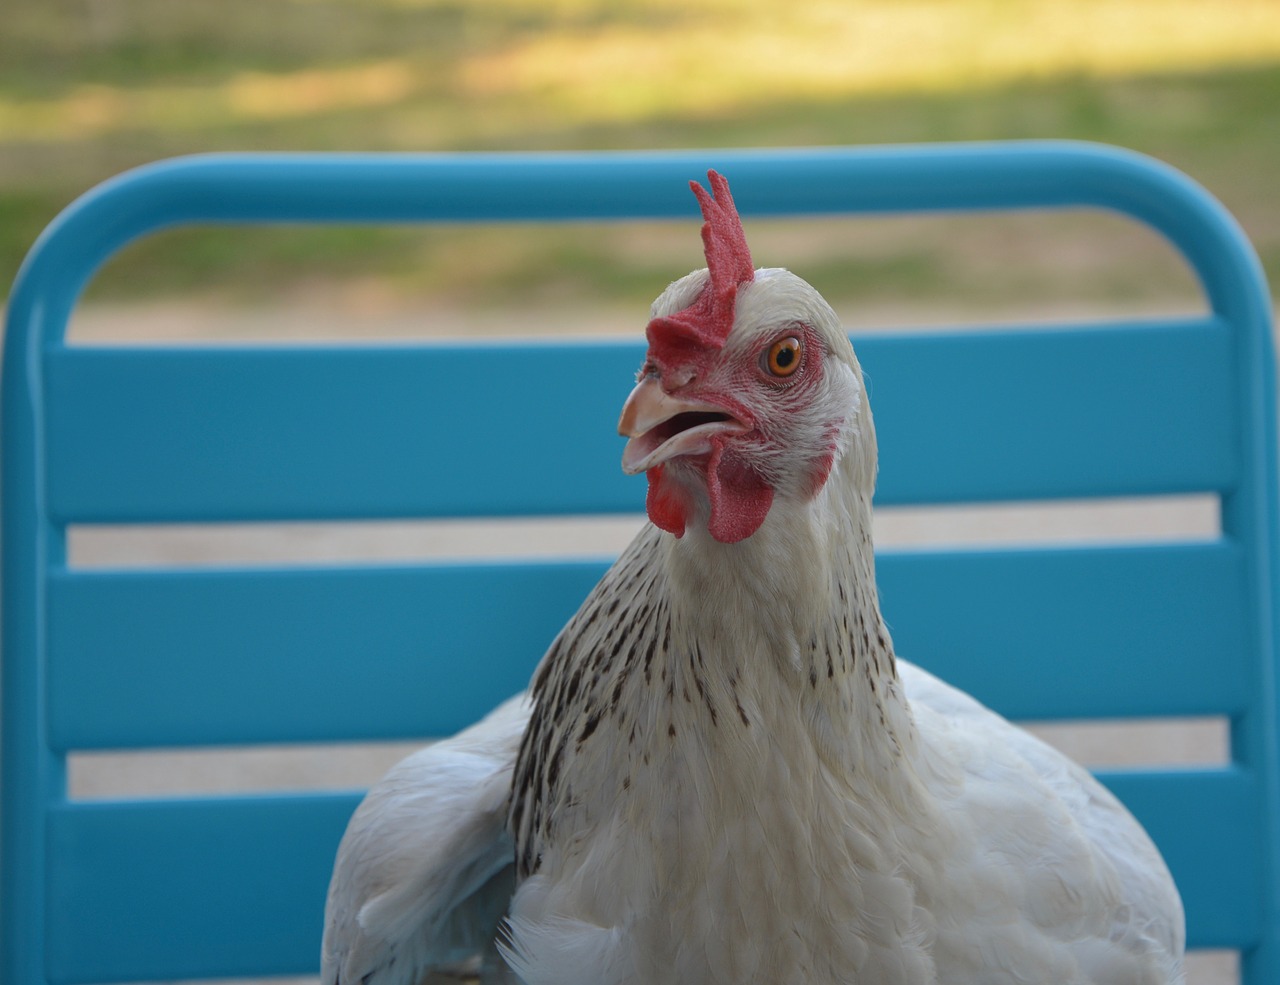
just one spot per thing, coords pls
(680, 647)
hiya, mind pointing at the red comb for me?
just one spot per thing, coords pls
(708, 320)
(723, 241)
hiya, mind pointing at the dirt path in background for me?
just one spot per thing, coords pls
(370, 311)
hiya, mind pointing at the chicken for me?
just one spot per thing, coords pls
(727, 775)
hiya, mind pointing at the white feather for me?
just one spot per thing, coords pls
(423, 873)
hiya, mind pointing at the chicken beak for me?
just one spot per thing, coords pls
(647, 406)
(662, 426)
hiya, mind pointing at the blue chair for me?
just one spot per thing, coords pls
(224, 886)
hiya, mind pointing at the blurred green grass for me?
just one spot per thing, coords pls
(91, 87)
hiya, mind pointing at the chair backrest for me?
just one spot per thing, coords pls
(133, 890)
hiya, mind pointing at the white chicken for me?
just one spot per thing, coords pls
(726, 775)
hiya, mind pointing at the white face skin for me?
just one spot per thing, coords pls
(723, 432)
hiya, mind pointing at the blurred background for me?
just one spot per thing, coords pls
(89, 88)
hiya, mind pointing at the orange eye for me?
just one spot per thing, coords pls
(784, 356)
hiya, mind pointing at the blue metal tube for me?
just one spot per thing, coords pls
(343, 188)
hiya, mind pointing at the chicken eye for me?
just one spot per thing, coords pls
(783, 358)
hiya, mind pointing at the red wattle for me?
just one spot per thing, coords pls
(665, 503)
(740, 497)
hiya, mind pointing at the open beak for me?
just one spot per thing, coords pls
(663, 426)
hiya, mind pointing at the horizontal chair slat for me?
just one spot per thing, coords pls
(164, 658)
(298, 433)
(1065, 633)
(209, 657)
(181, 889)
(172, 875)
(475, 430)
(1126, 410)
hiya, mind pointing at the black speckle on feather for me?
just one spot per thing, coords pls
(592, 722)
(648, 658)
(549, 666)
(571, 692)
(552, 773)
(706, 698)
(607, 647)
